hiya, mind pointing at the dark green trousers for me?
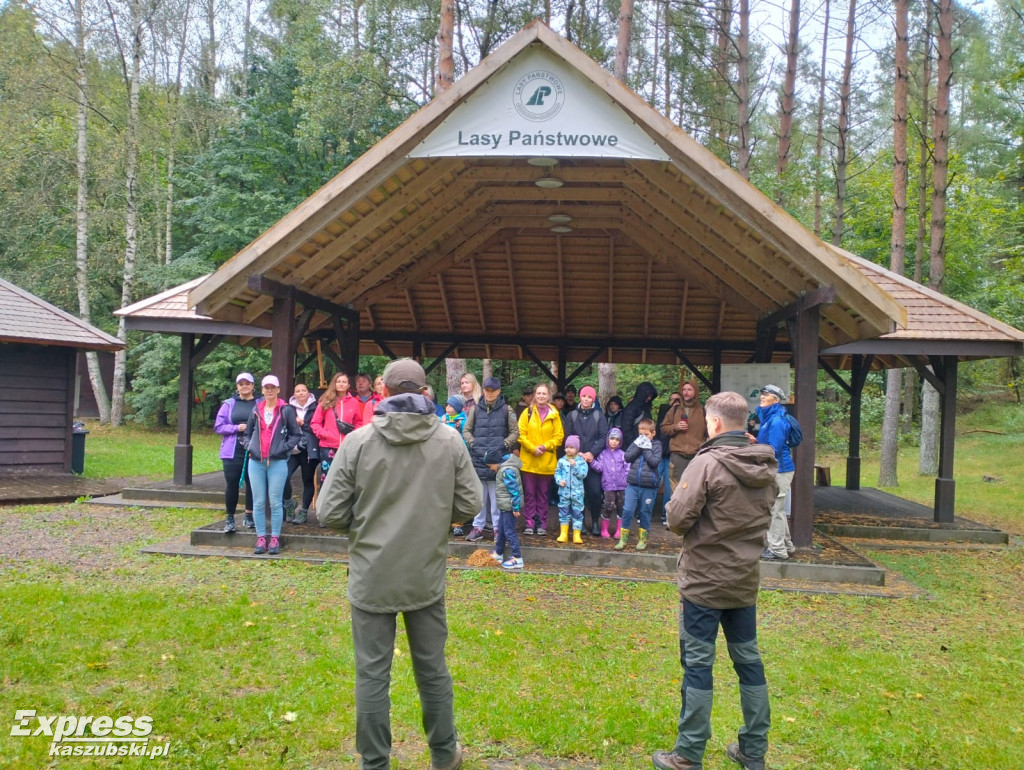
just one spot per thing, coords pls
(373, 637)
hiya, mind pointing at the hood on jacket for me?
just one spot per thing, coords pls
(753, 465)
(511, 461)
(645, 392)
(407, 418)
(498, 403)
(309, 402)
(613, 433)
(696, 389)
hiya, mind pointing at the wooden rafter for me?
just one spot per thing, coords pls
(721, 318)
(647, 295)
(513, 294)
(611, 282)
(412, 308)
(682, 307)
(370, 318)
(444, 302)
(479, 297)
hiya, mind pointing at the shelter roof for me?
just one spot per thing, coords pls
(434, 239)
(26, 318)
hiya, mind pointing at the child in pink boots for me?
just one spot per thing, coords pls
(614, 475)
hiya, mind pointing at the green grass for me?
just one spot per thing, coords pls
(137, 451)
(564, 669)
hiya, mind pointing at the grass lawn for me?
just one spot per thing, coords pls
(137, 451)
(249, 664)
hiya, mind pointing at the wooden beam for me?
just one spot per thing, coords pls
(206, 345)
(824, 295)
(444, 302)
(561, 281)
(858, 376)
(806, 365)
(696, 372)
(540, 364)
(647, 295)
(721, 319)
(412, 308)
(302, 325)
(513, 298)
(579, 369)
(479, 297)
(278, 290)
(764, 338)
(682, 307)
(433, 364)
(945, 486)
(611, 282)
(385, 349)
(847, 387)
(928, 375)
(282, 344)
(186, 382)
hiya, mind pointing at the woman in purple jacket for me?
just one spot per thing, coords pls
(232, 418)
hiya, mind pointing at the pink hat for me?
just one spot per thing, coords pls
(586, 390)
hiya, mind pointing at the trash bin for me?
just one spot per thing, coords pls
(78, 434)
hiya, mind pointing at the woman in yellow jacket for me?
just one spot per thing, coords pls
(540, 435)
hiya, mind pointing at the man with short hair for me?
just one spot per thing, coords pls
(570, 398)
(774, 432)
(490, 427)
(396, 486)
(366, 396)
(526, 401)
(721, 506)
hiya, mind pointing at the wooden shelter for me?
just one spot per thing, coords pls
(540, 209)
(39, 344)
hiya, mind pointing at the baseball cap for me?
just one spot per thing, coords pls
(270, 379)
(775, 390)
(492, 383)
(245, 376)
(404, 375)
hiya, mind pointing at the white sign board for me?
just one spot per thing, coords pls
(748, 379)
(538, 105)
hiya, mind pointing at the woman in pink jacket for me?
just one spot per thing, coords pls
(338, 414)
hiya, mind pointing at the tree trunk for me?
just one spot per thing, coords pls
(622, 44)
(454, 369)
(819, 144)
(887, 472)
(82, 209)
(246, 46)
(743, 90)
(928, 461)
(842, 160)
(211, 51)
(489, 29)
(656, 63)
(718, 135)
(668, 59)
(606, 374)
(445, 52)
(130, 214)
(486, 369)
(788, 102)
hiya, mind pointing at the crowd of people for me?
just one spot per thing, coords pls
(602, 467)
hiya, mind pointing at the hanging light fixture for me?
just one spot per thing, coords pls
(543, 162)
(561, 229)
(560, 219)
(549, 183)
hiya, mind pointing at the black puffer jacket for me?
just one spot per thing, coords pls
(637, 409)
(590, 425)
(286, 436)
(643, 465)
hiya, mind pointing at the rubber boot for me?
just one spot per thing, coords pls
(618, 528)
(623, 539)
(564, 536)
(604, 529)
(300, 516)
(642, 545)
(576, 537)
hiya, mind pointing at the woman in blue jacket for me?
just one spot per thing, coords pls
(775, 432)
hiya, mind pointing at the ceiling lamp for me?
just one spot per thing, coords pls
(549, 183)
(560, 219)
(561, 229)
(543, 162)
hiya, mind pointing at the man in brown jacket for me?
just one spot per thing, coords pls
(722, 507)
(684, 427)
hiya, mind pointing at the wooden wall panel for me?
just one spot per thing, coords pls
(36, 389)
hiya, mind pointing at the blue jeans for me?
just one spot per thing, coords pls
(642, 497)
(506, 534)
(268, 480)
(567, 515)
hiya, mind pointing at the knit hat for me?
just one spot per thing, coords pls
(456, 402)
(586, 390)
(573, 442)
(615, 433)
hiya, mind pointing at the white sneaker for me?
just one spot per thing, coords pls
(497, 557)
(541, 531)
(512, 563)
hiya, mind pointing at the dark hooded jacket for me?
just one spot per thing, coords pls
(637, 409)
(722, 508)
(590, 425)
(396, 486)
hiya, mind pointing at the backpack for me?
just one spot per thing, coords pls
(796, 433)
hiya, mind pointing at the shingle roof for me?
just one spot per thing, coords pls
(172, 303)
(25, 317)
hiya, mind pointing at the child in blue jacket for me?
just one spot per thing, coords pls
(569, 475)
(643, 457)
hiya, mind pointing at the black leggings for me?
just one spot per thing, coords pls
(308, 468)
(232, 475)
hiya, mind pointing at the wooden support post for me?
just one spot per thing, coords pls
(282, 344)
(346, 331)
(945, 486)
(853, 456)
(183, 449)
(805, 353)
(561, 381)
(716, 369)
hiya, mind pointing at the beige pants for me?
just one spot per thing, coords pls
(779, 541)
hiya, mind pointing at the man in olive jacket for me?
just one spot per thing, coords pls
(396, 486)
(722, 508)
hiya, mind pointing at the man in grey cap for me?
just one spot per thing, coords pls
(396, 486)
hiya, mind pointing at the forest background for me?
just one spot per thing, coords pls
(144, 142)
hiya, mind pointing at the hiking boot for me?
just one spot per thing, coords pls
(512, 563)
(301, 515)
(749, 763)
(475, 535)
(248, 522)
(669, 760)
(289, 510)
(771, 556)
(456, 762)
(458, 531)
(229, 525)
(275, 546)
(261, 546)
